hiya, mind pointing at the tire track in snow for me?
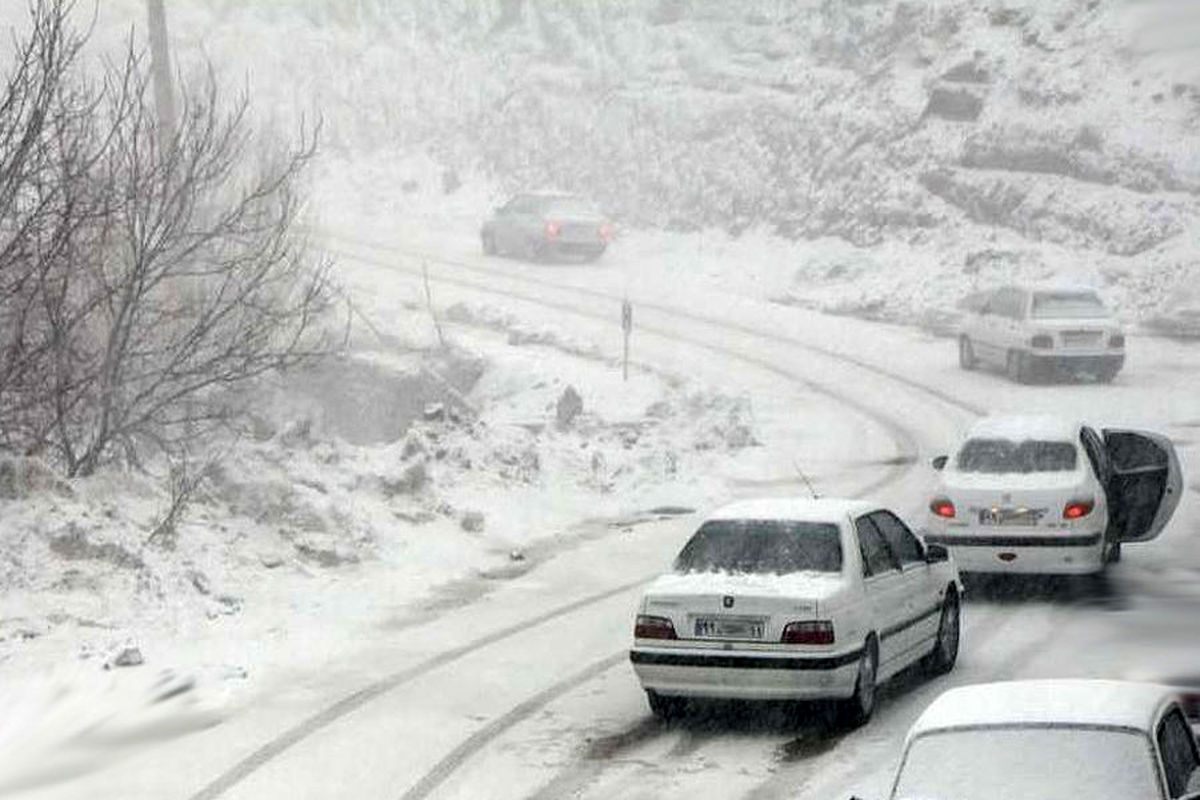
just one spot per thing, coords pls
(901, 435)
(691, 316)
(903, 438)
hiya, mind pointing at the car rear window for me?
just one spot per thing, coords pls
(569, 205)
(763, 547)
(1067, 305)
(1005, 455)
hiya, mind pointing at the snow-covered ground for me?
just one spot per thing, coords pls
(308, 616)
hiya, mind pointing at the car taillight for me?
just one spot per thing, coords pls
(553, 229)
(942, 507)
(1043, 341)
(820, 632)
(606, 233)
(648, 627)
(1191, 705)
(1116, 340)
(1078, 509)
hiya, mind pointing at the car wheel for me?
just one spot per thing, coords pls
(966, 354)
(594, 254)
(1107, 374)
(489, 243)
(665, 708)
(1114, 553)
(945, 650)
(1017, 367)
(859, 707)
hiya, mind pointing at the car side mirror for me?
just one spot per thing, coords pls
(936, 554)
(939, 462)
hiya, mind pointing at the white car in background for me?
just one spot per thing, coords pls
(1039, 494)
(1051, 740)
(796, 599)
(1031, 332)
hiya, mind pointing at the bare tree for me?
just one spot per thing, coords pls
(143, 272)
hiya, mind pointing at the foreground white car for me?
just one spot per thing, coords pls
(1052, 496)
(1051, 740)
(796, 599)
(1030, 331)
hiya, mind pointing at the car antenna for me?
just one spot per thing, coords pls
(807, 482)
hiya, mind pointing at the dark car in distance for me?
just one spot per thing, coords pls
(546, 225)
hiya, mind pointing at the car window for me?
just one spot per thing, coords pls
(762, 546)
(902, 541)
(1028, 763)
(1068, 305)
(1097, 455)
(999, 456)
(569, 205)
(1177, 746)
(1008, 303)
(877, 558)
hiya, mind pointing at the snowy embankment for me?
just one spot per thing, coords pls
(396, 480)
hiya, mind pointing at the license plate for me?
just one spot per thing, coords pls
(1026, 517)
(729, 628)
(1081, 338)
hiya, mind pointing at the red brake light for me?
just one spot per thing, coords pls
(808, 632)
(552, 229)
(648, 627)
(943, 507)
(606, 233)
(1078, 509)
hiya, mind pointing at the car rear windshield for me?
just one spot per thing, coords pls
(1005, 455)
(568, 205)
(1067, 305)
(763, 547)
(1028, 762)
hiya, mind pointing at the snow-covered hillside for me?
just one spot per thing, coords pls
(952, 144)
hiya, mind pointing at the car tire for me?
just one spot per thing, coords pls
(1107, 374)
(966, 354)
(945, 648)
(1113, 555)
(1016, 366)
(489, 243)
(595, 254)
(857, 709)
(665, 708)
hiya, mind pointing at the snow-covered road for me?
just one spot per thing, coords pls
(527, 693)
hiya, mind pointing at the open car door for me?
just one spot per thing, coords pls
(1145, 486)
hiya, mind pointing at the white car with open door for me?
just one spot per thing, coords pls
(1039, 494)
(796, 599)
(1051, 740)
(1030, 332)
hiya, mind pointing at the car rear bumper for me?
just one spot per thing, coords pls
(758, 675)
(1082, 362)
(1024, 554)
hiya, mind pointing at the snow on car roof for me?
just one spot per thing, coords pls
(800, 509)
(1041, 702)
(1021, 427)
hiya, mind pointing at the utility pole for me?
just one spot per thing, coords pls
(160, 63)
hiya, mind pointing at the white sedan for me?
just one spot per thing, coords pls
(1045, 495)
(796, 599)
(1049, 740)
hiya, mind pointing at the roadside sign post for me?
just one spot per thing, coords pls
(626, 328)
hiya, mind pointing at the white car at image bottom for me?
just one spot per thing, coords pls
(1039, 494)
(796, 600)
(1051, 740)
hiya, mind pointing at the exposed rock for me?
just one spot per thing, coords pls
(127, 657)
(954, 103)
(472, 521)
(569, 406)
